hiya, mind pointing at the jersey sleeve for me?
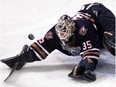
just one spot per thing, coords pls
(89, 43)
(43, 47)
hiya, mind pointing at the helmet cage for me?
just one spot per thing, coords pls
(65, 28)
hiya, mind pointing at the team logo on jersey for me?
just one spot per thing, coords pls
(49, 35)
(41, 40)
(82, 31)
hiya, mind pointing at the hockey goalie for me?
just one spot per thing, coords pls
(83, 34)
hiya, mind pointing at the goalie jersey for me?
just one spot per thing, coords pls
(84, 42)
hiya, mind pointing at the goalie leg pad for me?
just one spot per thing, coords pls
(109, 42)
(85, 70)
(77, 72)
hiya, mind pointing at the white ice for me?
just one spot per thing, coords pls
(18, 18)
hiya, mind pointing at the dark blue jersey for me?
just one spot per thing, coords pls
(84, 42)
(91, 21)
(100, 16)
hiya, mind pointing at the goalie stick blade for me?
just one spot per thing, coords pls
(13, 69)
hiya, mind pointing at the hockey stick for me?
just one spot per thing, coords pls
(13, 69)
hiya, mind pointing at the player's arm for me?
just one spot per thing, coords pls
(88, 63)
(90, 55)
(43, 47)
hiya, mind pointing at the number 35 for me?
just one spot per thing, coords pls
(87, 45)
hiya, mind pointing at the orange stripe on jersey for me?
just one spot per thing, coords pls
(91, 53)
(39, 50)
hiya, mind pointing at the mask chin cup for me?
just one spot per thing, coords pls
(65, 28)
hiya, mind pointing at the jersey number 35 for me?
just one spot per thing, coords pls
(87, 45)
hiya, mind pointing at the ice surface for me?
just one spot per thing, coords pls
(21, 17)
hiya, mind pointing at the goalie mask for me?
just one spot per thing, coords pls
(65, 28)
